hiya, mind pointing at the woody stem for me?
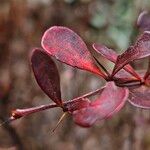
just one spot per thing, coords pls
(18, 113)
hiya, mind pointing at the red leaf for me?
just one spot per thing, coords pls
(46, 74)
(140, 97)
(147, 74)
(66, 46)
(77, 104)
(143, 21)
(82, 101)
(141, 49)
(112, 56)
(106, 52)
(147, 81)
(123, 77)
(110, 101)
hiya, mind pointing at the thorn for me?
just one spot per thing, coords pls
(59, 121)
(7, 121)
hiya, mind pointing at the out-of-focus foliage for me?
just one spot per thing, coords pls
(22, 23)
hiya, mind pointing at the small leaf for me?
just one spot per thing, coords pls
(66, 46)
(147, 81)
(140, 97)
(123, 77)
(143, 21)
(147, 74)
(81, 102)
(110, 101)
(112, 56)
(106, 52)
(140, 50)
(77, 104)
(46, 74)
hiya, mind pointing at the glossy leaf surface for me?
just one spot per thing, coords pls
(110, 101)
(66, 46)
(141, 49)
(46, 74)
(140, 97)
(112, 56)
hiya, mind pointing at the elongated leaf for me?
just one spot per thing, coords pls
(66, 46)
(140, 97)
(106, 52)
(143, 21)
(141, 49)
(123, 77)
(46, 74)
(112, 56)
(111, 100)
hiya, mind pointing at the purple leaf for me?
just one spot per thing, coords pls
(106, 52)
(112, 56)
(143, 21)
(147, 81)
(140, 97)
(110, 101)
(147, 74)
(123, 77)
(66, 46)
(140, 50)
(46, 74)
(81, 101)
(77, 104)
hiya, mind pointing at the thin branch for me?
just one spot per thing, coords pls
(86, 95)
(18, 113)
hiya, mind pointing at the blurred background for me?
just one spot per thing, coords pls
(22, 24)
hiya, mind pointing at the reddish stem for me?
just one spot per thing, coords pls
(86, 95)
(18, 113)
